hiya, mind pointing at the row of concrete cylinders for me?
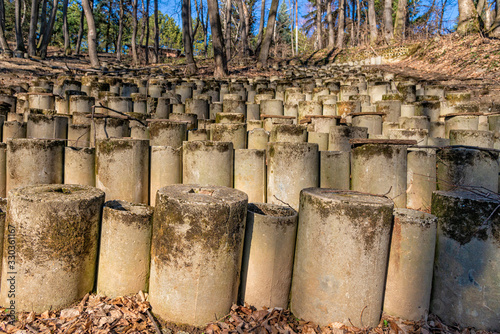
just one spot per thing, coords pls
(350, 259)
(131, 170)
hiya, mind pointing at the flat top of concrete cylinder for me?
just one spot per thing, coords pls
(276, 116)
(461, 114)
(267, 209)
(130, 208)
(199, 194)
(367, 113)
(56, 192)
(357, 142)
(486, 196)
(348, 196)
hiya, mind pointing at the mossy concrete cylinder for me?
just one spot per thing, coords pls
(345, 286)
(198, 107)
(465, 284)
(13, 130)
(226, 132)
(47, 127)
(122, 169)
(340, 136)
(460, 123)
(372, 122)
(291, 167)
(421, 178)
(103, 128)
(258, 139)
(124, 249)
(250, 173)
(411, 259)
(167, 133)
(79, 166)
(318, 138)
(472, 138)
(289, 133)
(266, 271)
(55, 229)
(166, 169)
(307, 108)
(196, 252)
(271, 107)
(207, 163)
(380, 169)
(34, 161)
(335, 170)
(79, 135)
(458, 167)
(81, 103)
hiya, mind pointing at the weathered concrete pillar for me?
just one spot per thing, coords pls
(414, 122)
(391, 108)
(291, 167)
(48, 127)
(167, 133)
(199, 134)
(122, 169)
(258, 139)
(380, 169)
(271, 107)
(196, 252)
(41, 101)
(57, 227)
(458, 167)
(198, 107)
(34, 161)
(335, 170)
(324, 289)
(266, 273)
(103, 128)
(191, 120)
(79, 166)
(411, 259)
(229, 117)
(234, 106)
(250, 173)
(12, 130)
(307, 108)
(340, 136)
(3, 174)
(472, 138)
(124, 249)
(166, 169)
(289, 133)
(458, 122)
(120, 103)
(465, 284)
(371, 121)
(420, 179)
(207, 163)
(81, 103)
(419, 135)
(318, 138)
(79, 135)
(228, 132)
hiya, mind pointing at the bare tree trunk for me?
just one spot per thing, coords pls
(372, 21)
(143, 27)
(488, 17)
(48, 30)
(205, 31)
(80, 33)
(33, 27)
(468, 21)
(358, 23)
(43, 21)
(341, 24)
(217, 40)
(296, 28)
(353, 14)
(186, 38)
(399, 24)
(266, 42)
(495, 27)
(19, 27)
(388, 28)
(91, 34)
(134, 31)
(67, 43)
(329, 17)
(120, 32)
(261, 25)
(227, 29)
(245, 21)
(146, 47)
(319, 26)
(157, 34)
(3, 41)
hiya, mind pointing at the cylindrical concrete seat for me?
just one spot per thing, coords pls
(341, 257)
(55, 230)
(79, 166)
(250, 173)
(196, 252)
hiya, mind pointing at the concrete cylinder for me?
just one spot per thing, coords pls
(3, 175)
(459, 167)
(79, 166)
(372, 122)
(103, 128)
(234, 106)
(414, 122)
(250, 173)
(340, 136)
(120, 103)
(291, 167)
(167, 133)
(472, 138)
(266, 273)
(207, 163)
(48, 127)
(124, 249)
(227, 132)
(196, 252)
(309, 108)
(198, 107)
(271, 107)
(318, 138)
(34, 161)
(258, 139)
(55, 230)
(289, 133)
(122, 169)
(12, 130)
(420, 179)
(81, 103)
(191, 120)
(166, 169)
(348, 286)
(460, 123)
(335, 170)
(465, 284)
(420, 135)
(41, 101)
(79, 135)
(411, 259)
(380, 169)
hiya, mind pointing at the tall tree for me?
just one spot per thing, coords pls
(217, 40)
(261, 24)
(468, 20)
(157, 34)
(146, 48)
(372, 21)
(91, 34)
(331, 30)
(399, 24)
(266, 42)
(67, 45)
(495, 27)
(227, 29)
(33, 28)
(80, 33)
(3, 41)
(388, 27)
(341, 24)
(18, 26)
(245, 26)
(120, 32)
(186, 38)
(134, 31)
(47, 34)
(319, 26)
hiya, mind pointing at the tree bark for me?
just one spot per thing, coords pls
(18, 27)
(43, 21)
(341, 24)
(3, 41)
(245, 21)
(331, 30)
(186, 38)
(67, 44)
(495, 27)
(261, 25)
(120, 32)
(80, 33)
(157, 34)
(388, 27)
(227, 29)
(217, 40)
(146, 47)
(48, 30)
(33, 28)
(358, 23)
(134, 31)
(372, 22)
(266, 42)
(399, 24)
(319, 26)
(91, 34)
(468, 21)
